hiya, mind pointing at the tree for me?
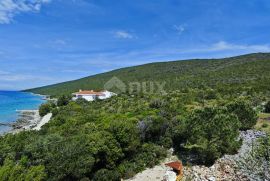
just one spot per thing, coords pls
(212, 132)
(11, 170)
(105, 148)
(63, 100)
(244, 112)
(64, 158)
(105, 175)
(152, 128)
(44, 109)
(126, 134)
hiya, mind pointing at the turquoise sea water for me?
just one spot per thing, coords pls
(10, 101)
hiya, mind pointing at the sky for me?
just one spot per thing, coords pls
(49, 41)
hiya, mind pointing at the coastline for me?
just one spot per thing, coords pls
(28, 119)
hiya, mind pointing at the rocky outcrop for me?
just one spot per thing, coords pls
(226, 168)
(222, 170)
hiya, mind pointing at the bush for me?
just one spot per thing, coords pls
(82, 101)
(10, 170)
(45, 109)
(55, 111)
(63, 100)
(244, 112)
(147, 156)
(157, 103)
(105, 175)
(267, 107)
(126, 134)
(211, 133)
(264, 125)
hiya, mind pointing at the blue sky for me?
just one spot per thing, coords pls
(49, 41)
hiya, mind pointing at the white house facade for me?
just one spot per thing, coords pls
(91, 95)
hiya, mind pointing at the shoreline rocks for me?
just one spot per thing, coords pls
(27, 119)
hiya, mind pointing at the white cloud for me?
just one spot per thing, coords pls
(216, 50)
(9, 8)
(74, 71)
(11, 77)
(123, 35)
(8, 76)
(179, 28)
(222, 45)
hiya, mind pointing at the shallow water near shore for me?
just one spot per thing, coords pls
(10, 101)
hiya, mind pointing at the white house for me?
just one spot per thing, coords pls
(91, 95)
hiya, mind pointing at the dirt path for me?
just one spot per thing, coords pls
(153, 174)
(43, 121)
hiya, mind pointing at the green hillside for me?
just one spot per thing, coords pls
(116, 138)
(229, 74)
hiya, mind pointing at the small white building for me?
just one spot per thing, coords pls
(91, 95)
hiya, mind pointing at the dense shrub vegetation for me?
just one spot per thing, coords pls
(119, 137)
(212, 132)
(244, 113)
(21, 171)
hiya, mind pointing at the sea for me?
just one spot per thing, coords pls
(11, 101)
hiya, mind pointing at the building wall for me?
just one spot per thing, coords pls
(89, 97)
(107, 94)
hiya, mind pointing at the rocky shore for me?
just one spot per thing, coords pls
(29, 120)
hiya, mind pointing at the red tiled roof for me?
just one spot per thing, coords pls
(175, 165)
(87, 92)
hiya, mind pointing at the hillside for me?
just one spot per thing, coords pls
(117, 138)
(229, 74)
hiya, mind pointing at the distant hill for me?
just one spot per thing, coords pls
(246, 72)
